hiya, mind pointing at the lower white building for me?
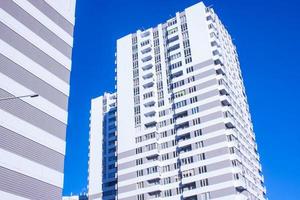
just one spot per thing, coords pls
(75, 197)
(102, 170)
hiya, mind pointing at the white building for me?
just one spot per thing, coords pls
(183, 121)
(36, 39)
(102, 170)
(75, 197)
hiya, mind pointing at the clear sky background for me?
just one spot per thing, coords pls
(266, 33)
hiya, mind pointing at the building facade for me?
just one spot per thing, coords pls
(36, 39)
(184, 127)
(102, 179)
(75, 197)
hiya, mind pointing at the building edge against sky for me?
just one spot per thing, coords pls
(184, 130)
(35, 51)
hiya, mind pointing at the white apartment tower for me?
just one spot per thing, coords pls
(183, 121)
(102, 170)
(36, 39)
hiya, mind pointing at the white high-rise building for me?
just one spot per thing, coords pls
(36, 39)
(102, 179)
(183, 122)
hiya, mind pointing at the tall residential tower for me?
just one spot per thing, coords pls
(36, 39)
(183, 122)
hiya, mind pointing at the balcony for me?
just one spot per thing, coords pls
(219, 69)
(229, 120)
(172, 39)
(147, 49)
(150, 114)
(173, 48)
(223, 90)
(147, 76)
(183, 137)
(176, 74)
(152, 154)
(180, 114)
(147, 67)
(155, 191)
(188, 186)
(153, 181)
(225, 100)
(182, 126)
(184, 148)
(149, 102)
(147, 58)
(145, 34)
(148, 84)
(149, 107)
(149, 121)
(150, 124)
(240, 184)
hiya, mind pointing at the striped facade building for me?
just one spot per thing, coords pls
(183, 122)
(36, 39)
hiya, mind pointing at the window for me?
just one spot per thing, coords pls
(191, 79)
(139, 161)
(172, 22)
(190, 69)
(136, 82)
(185, 35)
(161, 103)
(180, 104)
(157, 58)
(135, 73)
(160, 94)
(140, 185)
(148, 95)
(151, 170)
(136, 91)
(188, 60)
(202, 169)
(201, 156)
(175, 65)
(187, 52)
(184, 27)
(145, 43)
(140, 197)
(134, 39)
(179, 93)
(139, 150)
(167, 180)
(158, 67)
(203, 182)
(139, 173)
(187, 160)
(171, 31)
(186, 43)
(199, 144)
(137, 110)
(194, 99)
(156, 42)
(168, 193)
(174, 56)
(155, 34)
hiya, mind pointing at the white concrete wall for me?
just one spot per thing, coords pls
(95, 147)
(125, 103)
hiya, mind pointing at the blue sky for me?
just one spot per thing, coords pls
(266, 34)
